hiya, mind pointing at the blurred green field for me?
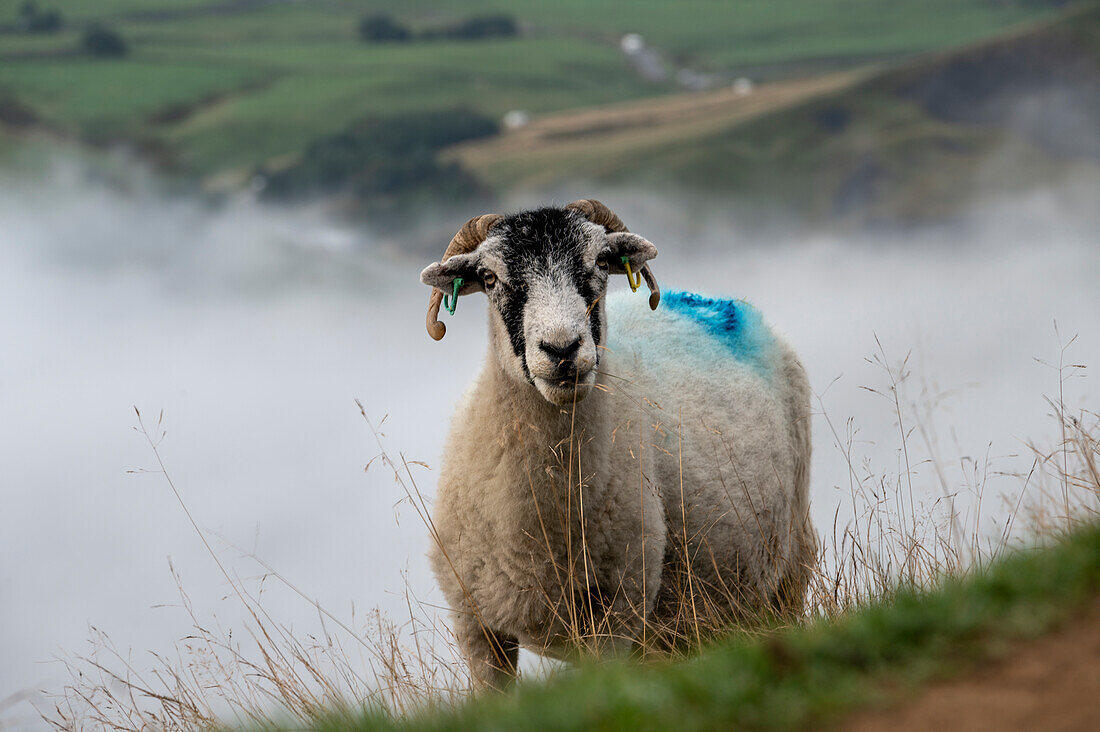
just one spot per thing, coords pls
(223, 87)
(714, 35)
(908, 142)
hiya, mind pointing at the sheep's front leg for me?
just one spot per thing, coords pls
(493, 657)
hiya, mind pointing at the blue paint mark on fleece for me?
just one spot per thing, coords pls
(734, 323)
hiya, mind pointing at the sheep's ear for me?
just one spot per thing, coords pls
(636, 249)
(441, 275)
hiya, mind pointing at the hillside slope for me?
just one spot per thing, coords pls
(813, 675)
(905, 143)
(220, 87)
(1050, 683)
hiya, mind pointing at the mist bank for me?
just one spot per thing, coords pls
(255, 328)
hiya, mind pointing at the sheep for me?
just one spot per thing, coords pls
(614, 474)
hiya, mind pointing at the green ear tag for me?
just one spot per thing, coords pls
(451, 301)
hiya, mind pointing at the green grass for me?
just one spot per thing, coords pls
(337, 83)
(807, 676)
(266, 79)
(115, 94)
(749, 32)
(81, 10)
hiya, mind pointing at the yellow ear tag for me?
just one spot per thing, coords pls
(635, 280)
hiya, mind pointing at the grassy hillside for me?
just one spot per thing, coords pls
(808, 676)
(908, 142)
(219, 87)
(915, 142)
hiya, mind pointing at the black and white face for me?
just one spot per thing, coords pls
(545, 273)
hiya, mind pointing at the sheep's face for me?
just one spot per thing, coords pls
(545, 273)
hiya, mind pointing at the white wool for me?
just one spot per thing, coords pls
(683, 444)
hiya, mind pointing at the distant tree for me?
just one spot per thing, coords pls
(28, 9)
(484, 26)
(380, 28)
(430, 130)
(32, 20)
(47, 22)
(380, 157)
(101, 41)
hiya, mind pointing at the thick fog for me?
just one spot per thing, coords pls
(255, 330)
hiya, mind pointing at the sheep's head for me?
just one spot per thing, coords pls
(545, 273)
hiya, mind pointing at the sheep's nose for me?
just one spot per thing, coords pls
(561, 351)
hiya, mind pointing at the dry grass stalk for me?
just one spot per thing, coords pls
(891, 540)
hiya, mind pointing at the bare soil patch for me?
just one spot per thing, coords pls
(1049, 684)
(642, 123)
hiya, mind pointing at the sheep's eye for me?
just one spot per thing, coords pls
(488, 278)
(601, 261)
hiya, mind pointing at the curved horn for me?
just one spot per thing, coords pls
(651, 281)
(435, 329)
(598, 213)
(468, 238)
